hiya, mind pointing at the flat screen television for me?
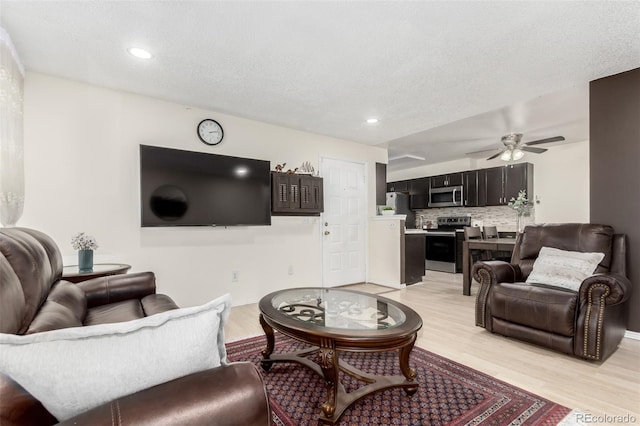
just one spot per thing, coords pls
(186, 188)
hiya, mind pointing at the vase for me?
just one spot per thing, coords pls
(520, 223)
(85, 260)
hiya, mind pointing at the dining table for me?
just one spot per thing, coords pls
(493, 244)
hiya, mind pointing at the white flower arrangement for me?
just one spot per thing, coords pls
(521, 204)
(82, 241)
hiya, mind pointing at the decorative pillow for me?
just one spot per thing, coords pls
(565, 269)
(75, 369)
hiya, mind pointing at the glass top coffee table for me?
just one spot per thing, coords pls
(333, 320)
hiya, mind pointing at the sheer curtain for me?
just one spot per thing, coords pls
(11, 138)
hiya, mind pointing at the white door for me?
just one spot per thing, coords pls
(343, 223)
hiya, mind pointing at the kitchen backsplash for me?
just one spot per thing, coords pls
(503, 217)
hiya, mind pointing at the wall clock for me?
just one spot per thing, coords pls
(210, 132)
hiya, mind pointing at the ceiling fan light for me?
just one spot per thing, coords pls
(506, 156)
(517, 154)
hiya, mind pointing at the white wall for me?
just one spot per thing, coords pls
(560, 180)
(82, 174)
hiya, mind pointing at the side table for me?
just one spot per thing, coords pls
(72, 273)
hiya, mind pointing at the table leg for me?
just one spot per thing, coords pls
(407, 371)
(466, 269)
(266, 352)
(330, 369)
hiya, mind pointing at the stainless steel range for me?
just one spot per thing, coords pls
(441, 243)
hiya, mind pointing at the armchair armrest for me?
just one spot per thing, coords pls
(496, 271)
(233, 394)
(116, 288)
(615, 288)
(600, 324)
(487, 274)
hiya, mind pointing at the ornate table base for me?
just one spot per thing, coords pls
(338, 399)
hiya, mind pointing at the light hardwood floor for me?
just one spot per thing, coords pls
(609, 388)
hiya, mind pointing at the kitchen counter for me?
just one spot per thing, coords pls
(415, 231)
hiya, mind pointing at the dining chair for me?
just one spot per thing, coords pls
(474, 233)
(491, 232)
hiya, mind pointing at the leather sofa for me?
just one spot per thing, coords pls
(31, 269)
(588, 323)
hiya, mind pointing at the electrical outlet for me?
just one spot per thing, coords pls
(290, 269)
(235, 276)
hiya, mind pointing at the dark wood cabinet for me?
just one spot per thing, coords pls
(398, 186)
(381, 184)
(441, 181)
(471, 189)
(493, 186)
(293, 194)
(414, 258)
(518, 177)
(419, 193)
(503, 183)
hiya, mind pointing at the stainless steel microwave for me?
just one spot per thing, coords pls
(450, 196)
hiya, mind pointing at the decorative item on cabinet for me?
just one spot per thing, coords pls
(296, 195)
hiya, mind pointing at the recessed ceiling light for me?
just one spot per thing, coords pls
(139, 53)
(372, 121)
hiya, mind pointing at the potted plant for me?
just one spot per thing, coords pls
(388, 211)
(522, 206)
(85, 244)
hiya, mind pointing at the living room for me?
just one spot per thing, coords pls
(81, 144)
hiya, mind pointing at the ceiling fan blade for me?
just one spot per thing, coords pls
(548, 140)
(483, 151)
(495, 156)
(534, 150)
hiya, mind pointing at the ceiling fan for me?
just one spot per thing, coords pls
(514, 148)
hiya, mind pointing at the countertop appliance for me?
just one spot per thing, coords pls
(441, 250)
(400, 203)
(450, 196)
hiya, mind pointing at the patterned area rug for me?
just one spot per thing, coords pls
(449, 393)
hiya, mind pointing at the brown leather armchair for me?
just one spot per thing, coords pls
(588, 323)
(30, 270)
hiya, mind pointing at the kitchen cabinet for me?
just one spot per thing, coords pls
(381, 184)
(398, 186)
(297, 195)
(472, 189)
(414, 255)
(441, 181)
(503, 183)
(419, 193)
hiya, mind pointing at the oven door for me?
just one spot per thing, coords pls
(441, 252)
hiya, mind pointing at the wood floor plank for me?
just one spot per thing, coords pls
(608, 388)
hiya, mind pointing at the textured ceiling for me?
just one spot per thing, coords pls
(423, 68)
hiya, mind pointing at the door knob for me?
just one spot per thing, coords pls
(326, 232)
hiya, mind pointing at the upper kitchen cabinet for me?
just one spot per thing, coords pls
(442, 181)
(381, 184)
(419, 193)
(503, 183)
(472, 190)
(398, 186)
(298, 195)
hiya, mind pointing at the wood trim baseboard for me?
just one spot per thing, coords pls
(632, 335)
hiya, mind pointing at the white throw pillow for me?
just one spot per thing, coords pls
(75, 369)
(561, 268)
